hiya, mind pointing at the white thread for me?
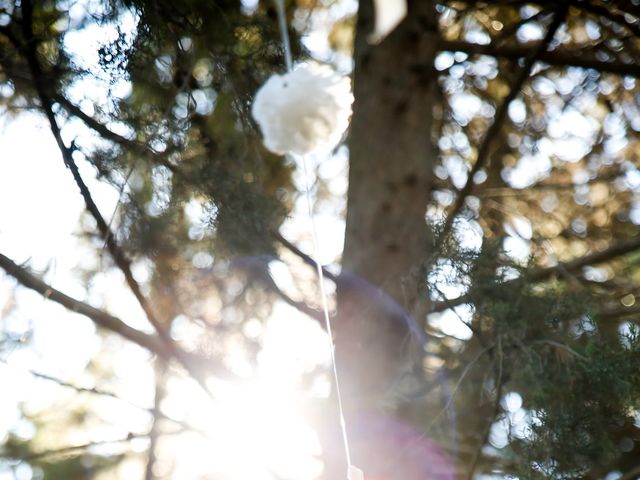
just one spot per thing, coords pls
(325, 311)
(353, 473)
(284, 34)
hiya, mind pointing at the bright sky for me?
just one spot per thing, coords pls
(39, 223)
(43, 229)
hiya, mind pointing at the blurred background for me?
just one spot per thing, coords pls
(159, 311)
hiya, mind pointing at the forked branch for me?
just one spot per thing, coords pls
(500, 116)
(106, 320)
(120, 259)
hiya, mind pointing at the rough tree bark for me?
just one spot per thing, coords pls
(387, 239)
(390, 151)
(390, 160)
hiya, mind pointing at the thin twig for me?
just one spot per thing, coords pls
(90, 390)
(103, 319)
(614, 251)
(116, 252)
(104, 393)
(495, 413)
(561, 346)
(154, 432)
(74, 448)
(305, 258)
(500, 116)
(463, 375)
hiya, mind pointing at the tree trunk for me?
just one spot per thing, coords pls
(390, 151)
(390, 163)
(387, 239)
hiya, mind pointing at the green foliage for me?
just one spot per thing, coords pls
(57, 466)
(196, 183)
(583, 401)
(580, 382)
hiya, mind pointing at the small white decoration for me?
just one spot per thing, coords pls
(304, 110)
(355, 473)
(389, 13)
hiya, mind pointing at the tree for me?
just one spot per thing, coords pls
(485, 317)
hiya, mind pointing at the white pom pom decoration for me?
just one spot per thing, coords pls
(304, 110)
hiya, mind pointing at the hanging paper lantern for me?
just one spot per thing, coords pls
(304, 110)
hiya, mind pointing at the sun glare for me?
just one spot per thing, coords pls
(257, 428)
(250, 431)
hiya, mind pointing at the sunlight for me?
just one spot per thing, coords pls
(259, 429)
(254, 429)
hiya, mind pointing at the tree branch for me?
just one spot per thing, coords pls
(67, 155)
(107, 133)
(75, 448)
(555, 58)
(305, 258)
(618, 312)
(90, 390)
(104, 393)
(616, 250)
(142, 148)
(118, 255)
(155, 411)
(300, 306)
(259, 272)
(501, 113)
(154, 433)
(100, 128)
(610, 13)
(631, 474)
(105, 320)
(543, 186)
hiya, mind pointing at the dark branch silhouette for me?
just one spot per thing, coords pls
(72, 449)
(103, 319)
(155, 431)
(581, 58)
(500, 116)
(299, 253)
(108, 134)
(540, 274)
(116, 252)
(106, 320)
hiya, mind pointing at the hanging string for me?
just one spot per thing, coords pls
(325, 311)
(353, 472)
(284, 34)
